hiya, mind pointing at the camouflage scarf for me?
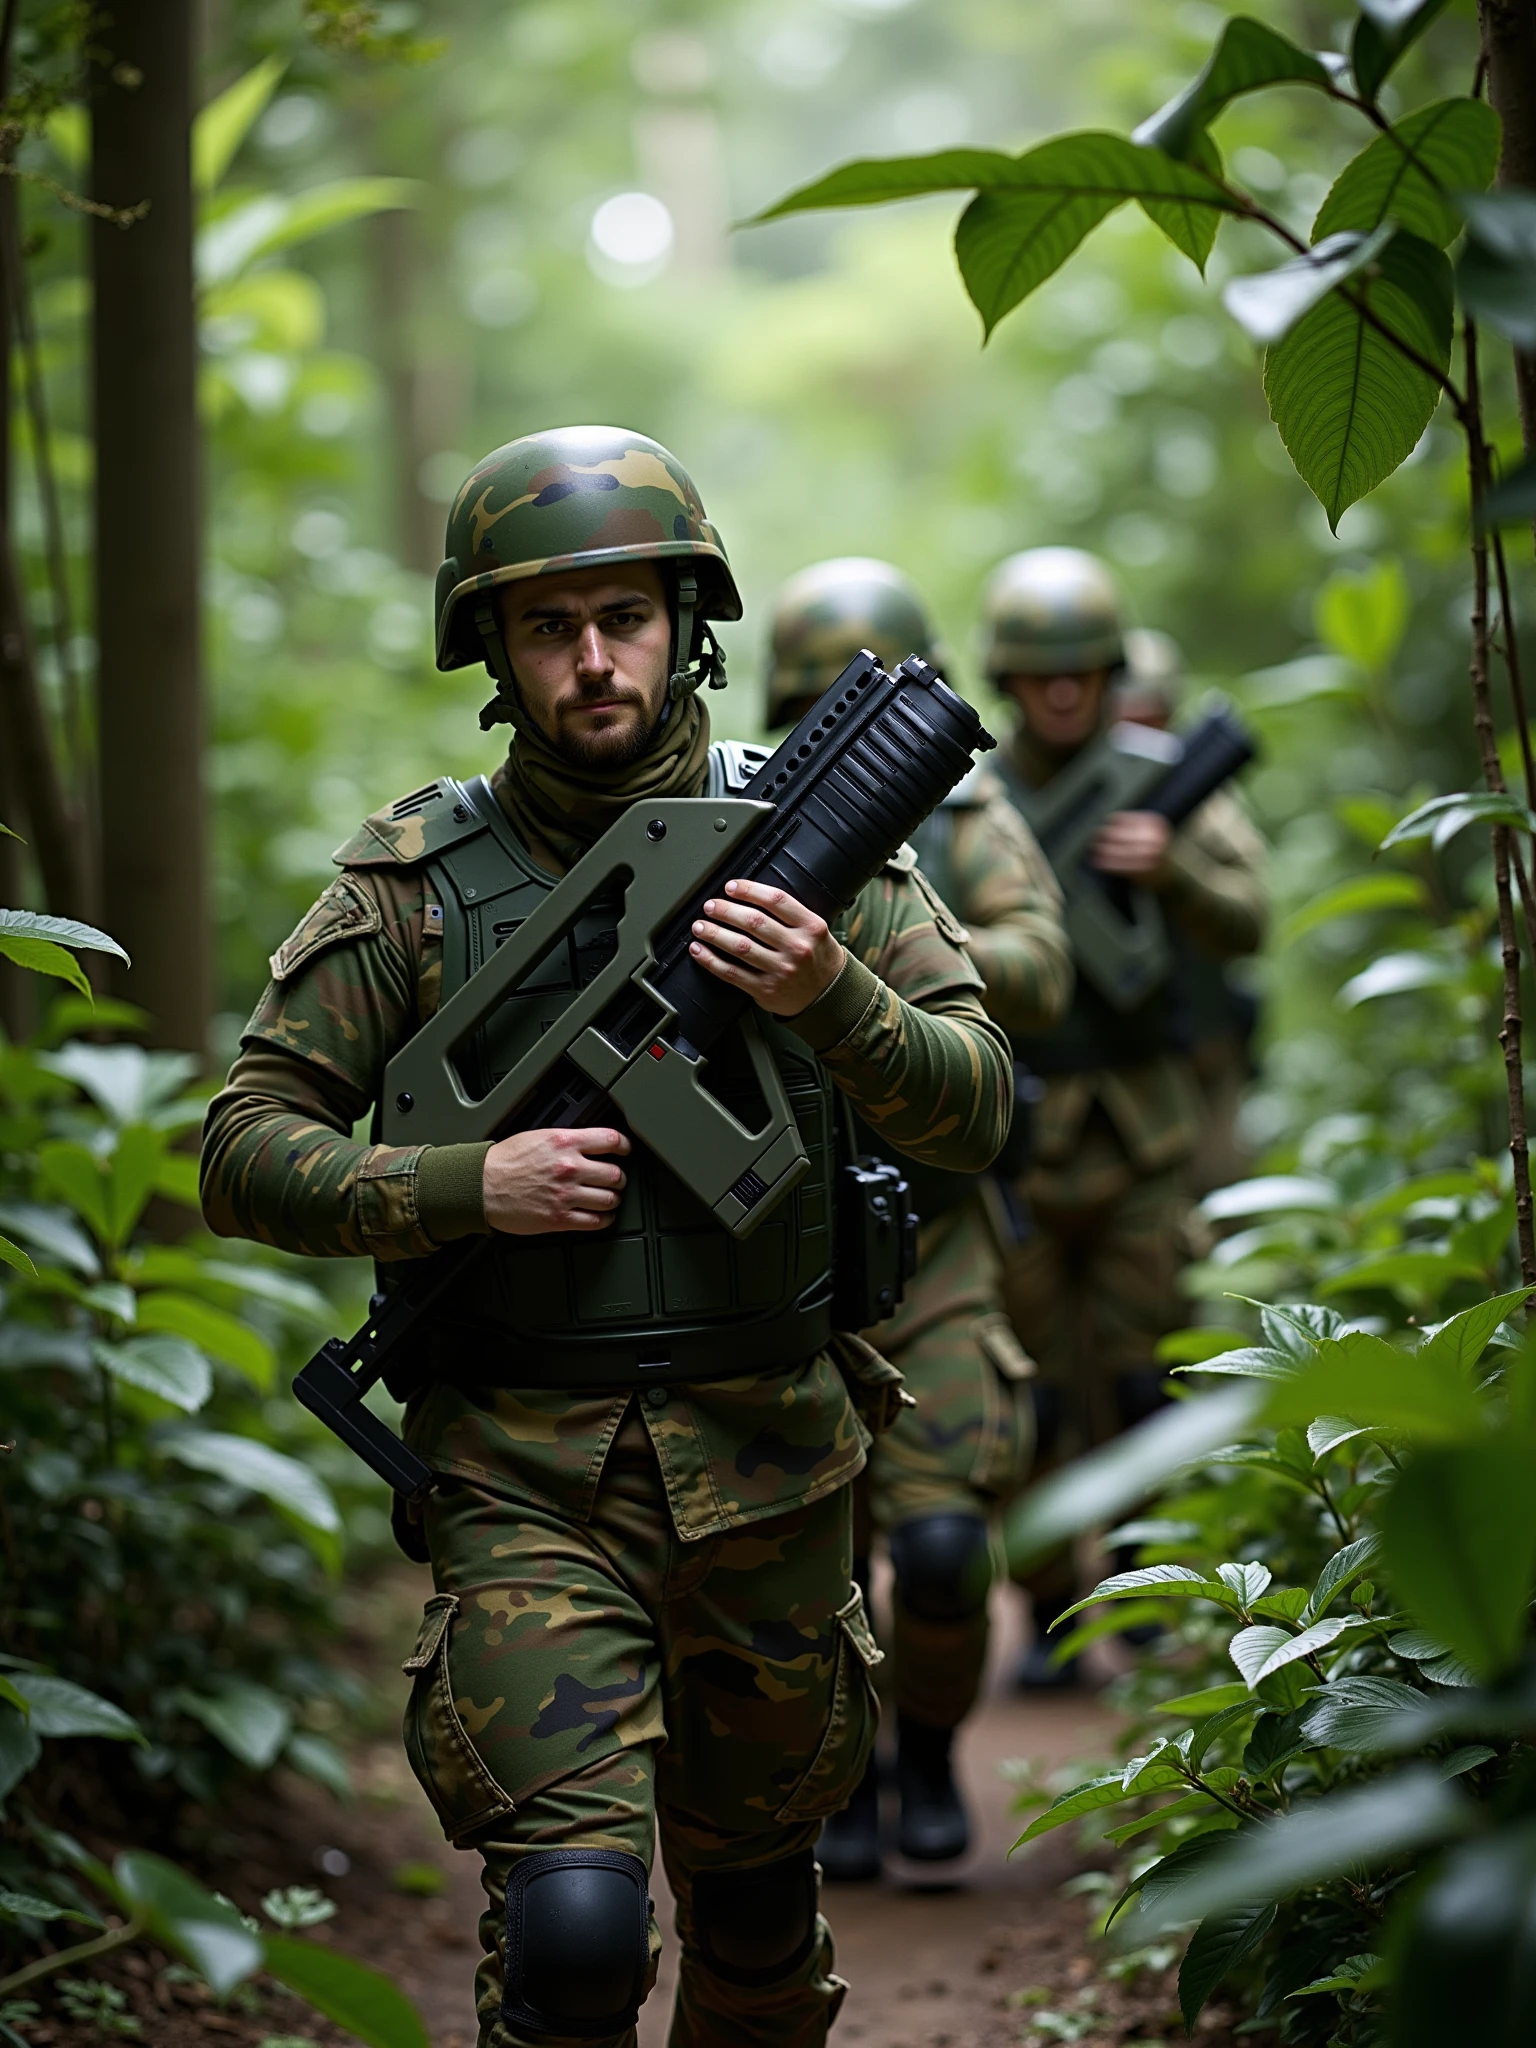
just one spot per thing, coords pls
(562, 810)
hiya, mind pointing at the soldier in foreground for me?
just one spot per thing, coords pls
(643, 1611)
(937, 1477)
(1096, 1285)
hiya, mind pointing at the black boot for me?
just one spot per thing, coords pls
(849, 1849)
(1037, 1669)
(934, 1827)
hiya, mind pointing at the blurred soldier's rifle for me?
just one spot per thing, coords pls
(1119, 939)
(819, 820)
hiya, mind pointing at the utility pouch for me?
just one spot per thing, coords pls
(874, 1243)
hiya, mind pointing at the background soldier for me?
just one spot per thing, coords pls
(642, 1604)
(940, 1472)
(1096, 1285)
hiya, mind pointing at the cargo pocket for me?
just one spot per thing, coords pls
(1007, 1446)
(844, 1750)
(464, 1795)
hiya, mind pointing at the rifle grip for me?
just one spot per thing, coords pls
(329, 1392)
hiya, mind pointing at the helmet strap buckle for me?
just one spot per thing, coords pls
(503, 708)
(709, 668)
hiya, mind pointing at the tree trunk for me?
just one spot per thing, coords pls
(1509, 43)
(418, 521)
(147, 539)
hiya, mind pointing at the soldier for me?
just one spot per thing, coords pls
(937, 1477)
(1223, 1014)
(1096, 1285)
(643, 1612)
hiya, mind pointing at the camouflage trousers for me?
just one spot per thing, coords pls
(590, 1684)
(964, 1449)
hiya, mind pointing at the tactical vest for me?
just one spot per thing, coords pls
(664, 1293)
(1094, 1033)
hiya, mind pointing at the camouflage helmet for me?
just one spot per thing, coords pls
(826, 613)
(576, 498)
(1052, 611)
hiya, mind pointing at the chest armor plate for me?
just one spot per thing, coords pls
(664, 1290)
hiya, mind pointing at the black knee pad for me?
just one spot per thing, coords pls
(1140, 1394)
(943, 1566)
(755, 1927)
(578, 1942)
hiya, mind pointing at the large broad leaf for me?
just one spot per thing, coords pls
(1443, 817)
(1385, 31)
(1460, 1540)
(79, 1177)
(1248, 57)
(1108, 1481)
(1362, 1713)
(52, 1234)
(1016, 234)
(1216, 1947)
(251, 1721)
(130, 1085)
(1461, 1342)
(346, 1991)
(873, 181)
(13, 1256)
(225, 122)
(1395, 974)
(1349, 405)
(1370, 1381)
(270, 223)
(1110, 1790)
(20, 1748)
(168, 1367)
(1354, 898)
(1161, 1579)
(42, 956)
(57, 1707)
(63, 931)
(1497, 272)
(1467, 1968)
(1341, 1570)
(1268, 304)
(1363, 614)
(1408, 174)
(177, 1911)
(1320, 1841)
(220, 1335)
(1271, 1194)
(242, 1461)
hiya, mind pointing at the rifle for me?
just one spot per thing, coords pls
(1119, 939)
(819, 819)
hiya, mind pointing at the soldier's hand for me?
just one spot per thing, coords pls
(553, 1180)
(763, 941)
(1133, 844)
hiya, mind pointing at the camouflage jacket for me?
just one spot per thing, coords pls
(901, 1031)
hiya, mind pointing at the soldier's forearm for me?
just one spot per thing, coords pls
(936, 1079)
(1027, 969)
(1220, 906)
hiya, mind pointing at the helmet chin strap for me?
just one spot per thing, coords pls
(504, 708)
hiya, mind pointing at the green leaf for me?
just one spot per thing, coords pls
(1271, 1194)
(348, 1992)
(52, 1233)
(1191, 226)
(1299, 1327)
(1193, 1346)
(13, 1256)
(1370, 1381)
(1216, 1947)
(224, 123)
(203, 1930)
(178, 1180)
(1211, 1699)
(1354, 898)
(1249, 1582)
(1464, 1969)
(1099, 1792)
(1296, 1649)
(1444, 816)
(1321, 1840)
(1109, 1480)
(1163, 1579)
(10, 1697)
(1413, 1276)
(1496, 276)
(63, 931)
(28, 1906)
(1362, 615)
(1248, 57)
(1251, 1362)
(1385, 31)
(220, 1335)
(57, 1708)
(79, 1178)
(1395, 974)
(1459, 1530)
(1341, 1570)
(874, 181)
(1361, 1713)
(251, 1721)
(20, 1748)
(1457, 1345)
(42, 956)
(1349, 406)
(1269, 303)
(1211, 1731)
(242, 1461)
(271, 223)
(1251, 1649)
(169, 1367)
(1408, 174)
(1016, 234)
(314, 1757)
(132, 1174)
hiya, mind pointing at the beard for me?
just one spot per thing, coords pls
(613, 748)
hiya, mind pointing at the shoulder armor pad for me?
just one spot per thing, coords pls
(345, 911)
(971, 791)
(732, 765)
(414, 827)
